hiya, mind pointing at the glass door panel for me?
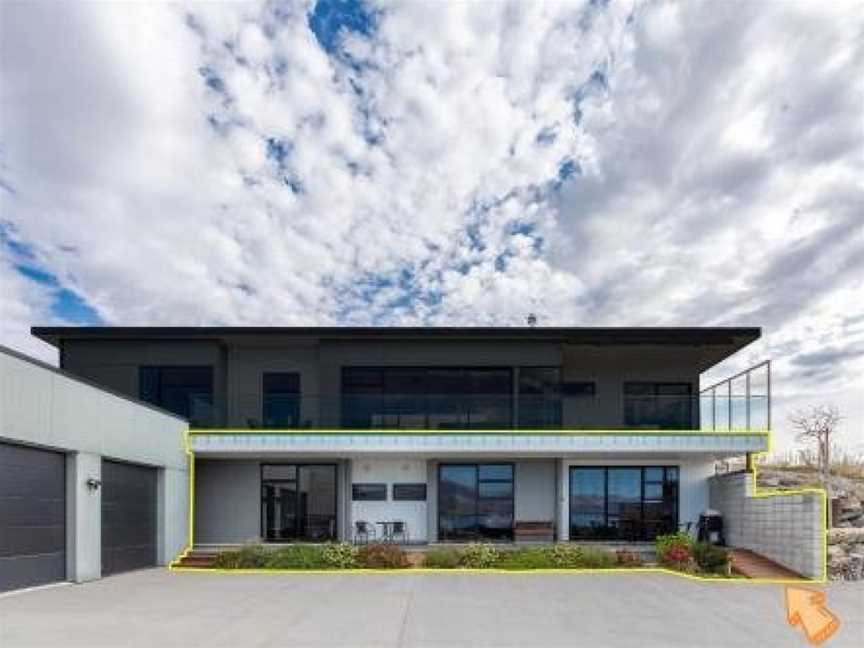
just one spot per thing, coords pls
(303, 508)
(457, 502)
(587, 502)
(624, 506)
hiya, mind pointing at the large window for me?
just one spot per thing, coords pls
(298, 502)
(427, 397)
(186, 391)
(623, 503)
(658, 405)
(281, 400)
(539, 397)
(475, 501)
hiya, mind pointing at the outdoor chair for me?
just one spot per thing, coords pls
(363, 531)
(399, 530)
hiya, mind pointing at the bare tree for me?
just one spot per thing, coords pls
(818, 425)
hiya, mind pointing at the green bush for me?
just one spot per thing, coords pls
(341, 555)
(526, 558)
(441, 558)
(380, 555)
(595, 558)
(247, 557)
(298, 556)
(711, 559)
(566, 556)
(478, 555)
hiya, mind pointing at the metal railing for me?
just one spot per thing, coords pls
(740, 402)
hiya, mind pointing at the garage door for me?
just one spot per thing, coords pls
(32, 516)
(128, 517)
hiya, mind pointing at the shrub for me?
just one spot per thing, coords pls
(341, 555)
(247, 557)
(527, 558)
(441, 559)
(566, 556)
(593, 558)
(379, 555)
(299, 556)
(628, 558)
(478, 555)
(710, 558)
(674, 550)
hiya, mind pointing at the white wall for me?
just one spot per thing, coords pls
(40, 406)
(391, 471)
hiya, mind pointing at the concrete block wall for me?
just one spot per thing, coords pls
(787, 529)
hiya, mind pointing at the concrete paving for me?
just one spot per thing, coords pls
(160, 608)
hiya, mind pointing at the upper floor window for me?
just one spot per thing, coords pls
(539, 397)
(427, 397)
(281, 400)
(186, 391)
(658, 404)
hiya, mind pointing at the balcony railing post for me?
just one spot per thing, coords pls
(729, 405)
(747, 397)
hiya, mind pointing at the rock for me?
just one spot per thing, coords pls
(854, 566)
(859, 522)
(848, 536)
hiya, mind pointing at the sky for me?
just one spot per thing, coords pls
(419, 163)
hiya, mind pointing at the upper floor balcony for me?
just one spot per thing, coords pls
(740, 403)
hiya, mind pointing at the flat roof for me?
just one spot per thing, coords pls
(692, 335)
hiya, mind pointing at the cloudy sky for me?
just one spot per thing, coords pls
(596, 163)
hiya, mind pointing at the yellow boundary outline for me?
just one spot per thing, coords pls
(756, 493)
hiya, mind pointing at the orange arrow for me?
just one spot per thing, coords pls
(806, 608)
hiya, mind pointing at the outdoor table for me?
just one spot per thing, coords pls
(386, 530)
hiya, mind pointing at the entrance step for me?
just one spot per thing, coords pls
(752, 565)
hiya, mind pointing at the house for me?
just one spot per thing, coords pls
(462, 434)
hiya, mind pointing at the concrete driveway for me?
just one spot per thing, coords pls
(159, 608)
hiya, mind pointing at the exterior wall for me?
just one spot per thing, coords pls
(240, 363)
(610, 367)
(788, 529)
(114, 364)
(227, 501)
(43, 407)
(246, 367)
(535, 490)
(392, 471)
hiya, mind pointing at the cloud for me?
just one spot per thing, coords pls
(406, 163)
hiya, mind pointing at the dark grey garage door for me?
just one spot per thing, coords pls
(32, 516)
(128, 517)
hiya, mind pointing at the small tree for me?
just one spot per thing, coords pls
(818, 425)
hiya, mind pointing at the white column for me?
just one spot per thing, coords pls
(83, 517)
(563, 504)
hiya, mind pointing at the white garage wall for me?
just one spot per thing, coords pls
(41, 406)
(391, 471)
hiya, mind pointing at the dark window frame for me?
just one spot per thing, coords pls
(417, 485)
(160, 369)
(477, 481)
(261, 500)
(642, 481)
(264, 423)
(366, 498)
(655, 397)
(350, 419)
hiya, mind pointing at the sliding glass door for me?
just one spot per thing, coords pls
(298, 502)
(475, 501)
(623, 503)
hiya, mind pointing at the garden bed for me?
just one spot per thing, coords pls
(677, 552)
